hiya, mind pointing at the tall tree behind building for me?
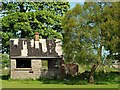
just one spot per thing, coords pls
(22, 19)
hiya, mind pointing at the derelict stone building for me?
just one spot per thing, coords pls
(26, 56)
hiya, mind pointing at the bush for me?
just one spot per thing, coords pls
(4, 60)
(107, 78)
(82, 79)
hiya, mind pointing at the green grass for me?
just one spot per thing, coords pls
(38, 84)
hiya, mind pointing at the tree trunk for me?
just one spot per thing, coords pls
(91, 75)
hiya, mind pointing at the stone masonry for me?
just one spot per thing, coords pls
(24, 73)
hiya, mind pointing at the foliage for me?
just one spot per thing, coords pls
(107, 78)
(82, 79)
(76, 45)
(23, 19)
(4, 60)
(88, 29)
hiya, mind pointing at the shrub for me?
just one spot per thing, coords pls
(4, 60)
(107, 78)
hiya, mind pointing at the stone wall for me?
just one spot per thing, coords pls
(25, 73)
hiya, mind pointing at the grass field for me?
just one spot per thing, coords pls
(38, 84)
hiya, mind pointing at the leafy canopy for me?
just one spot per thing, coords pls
(23, 19)
(89, 28)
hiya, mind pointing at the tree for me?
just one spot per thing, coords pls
(89, 28)
(75, 37)
(23, 19)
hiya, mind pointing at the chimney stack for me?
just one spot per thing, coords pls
(36, 36)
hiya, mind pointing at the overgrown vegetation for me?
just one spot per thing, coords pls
(82, 79)
(101, 78)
